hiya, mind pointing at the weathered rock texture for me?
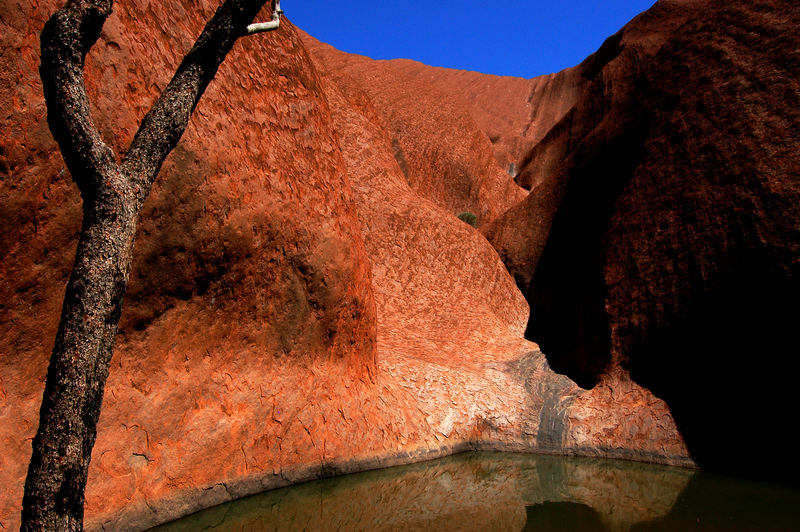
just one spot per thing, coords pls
(514, 113)
(662, 232)
(449, 316)
(440, 149)
(304, 301)
(230, 267)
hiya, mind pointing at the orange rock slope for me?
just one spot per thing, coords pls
(304, 301)
(439, 147)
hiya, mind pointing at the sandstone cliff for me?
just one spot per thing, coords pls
(514, 113)
(247, 267)
(440, 149)
(304, 301)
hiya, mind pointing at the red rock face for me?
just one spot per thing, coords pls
(242, 260)
(450, 318)
(661, 233)
(443, 153)
(514, 113)
(304, 301)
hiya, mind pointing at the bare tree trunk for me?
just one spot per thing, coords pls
(113, 195)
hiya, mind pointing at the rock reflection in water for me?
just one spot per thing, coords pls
(559, 516)
(473, 491)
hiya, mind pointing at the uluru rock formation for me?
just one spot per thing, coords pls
(441, 150)
(661, 234)
(304, 301)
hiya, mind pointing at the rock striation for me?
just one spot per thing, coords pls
(660, 238)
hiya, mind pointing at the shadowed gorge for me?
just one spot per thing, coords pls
(306, 300)
(673, 212)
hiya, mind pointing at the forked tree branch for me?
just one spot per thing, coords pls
(164, 125)
(112, 200)
(66, 39)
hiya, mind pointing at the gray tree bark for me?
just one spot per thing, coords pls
(113, 195)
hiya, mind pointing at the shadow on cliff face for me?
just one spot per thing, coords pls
(567, 292)
(674, 247)
(728, 371)
(702, 257)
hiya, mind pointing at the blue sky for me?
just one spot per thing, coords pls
(515, 38)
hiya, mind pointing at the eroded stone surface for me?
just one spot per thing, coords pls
(297, 308)
(514, 113)
(241, 259)
(442, 152)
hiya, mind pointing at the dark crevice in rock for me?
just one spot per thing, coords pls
(567, 293)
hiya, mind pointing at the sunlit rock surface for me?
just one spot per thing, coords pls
(250, 274)
(304, 301)
(439, 147)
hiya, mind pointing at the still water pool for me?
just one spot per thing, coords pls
(515, 492)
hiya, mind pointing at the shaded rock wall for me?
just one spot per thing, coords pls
(600, 114)
(661, 233)
(721, 267)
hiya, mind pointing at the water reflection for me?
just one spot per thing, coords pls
(495, 491)
(560, 516)
(716, 503)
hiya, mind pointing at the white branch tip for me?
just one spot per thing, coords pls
(274, 24)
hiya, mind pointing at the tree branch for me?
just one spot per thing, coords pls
(66, 39)
(112, 200)
(164, 125)
(273, 24)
